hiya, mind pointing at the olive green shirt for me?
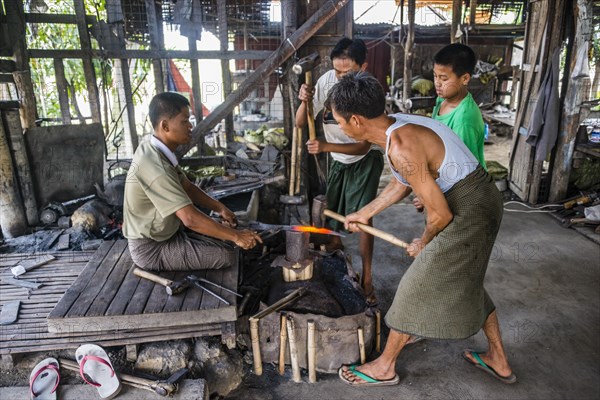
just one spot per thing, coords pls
(466, 121)
(153, 193)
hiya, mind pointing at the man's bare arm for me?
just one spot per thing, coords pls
(319, 146)
(200, 198)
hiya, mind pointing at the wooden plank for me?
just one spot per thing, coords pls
(140, 297)
(140, 321)
(82, 281)
(10, 312)
(123, 83)
(196, 92)
(225, 72)
(97, 281)
(111, 287)
(124, 296)
(63, 241)
(156, 44)
(158, 298)
(193, 297)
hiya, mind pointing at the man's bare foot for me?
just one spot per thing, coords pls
(502, 368)
(371, 369)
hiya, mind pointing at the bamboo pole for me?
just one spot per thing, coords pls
(361, 345)
(298, 158)
(282, 343)
(293, 351)
(312, 352)
(293, 162)
(258, 370)
(378, 331)
(12, 214)
(368, 229)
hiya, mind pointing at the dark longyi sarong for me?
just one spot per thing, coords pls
(441, 295)
(184, 251)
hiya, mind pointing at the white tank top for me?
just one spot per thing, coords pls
(458, 160)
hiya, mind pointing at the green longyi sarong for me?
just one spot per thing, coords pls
(441, 295)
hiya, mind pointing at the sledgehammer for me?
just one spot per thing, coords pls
(368, 229)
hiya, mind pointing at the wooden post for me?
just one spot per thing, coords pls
(226, 73)
(312, 352)
(88, 65)
(361, 345)
(472, 12)
(12, 215)
(156, 43)
(282, 343)
(293, 350)
(285, 50)
(195, 81)
(289, 17)
(258, 370)
(126, 101)
(23, 171)
(63, 94)
(410, 38)
(577, 92)
(456, 19)
(22, 76)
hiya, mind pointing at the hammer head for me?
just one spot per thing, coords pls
(307, 63)
(176, 287)
(318, 206)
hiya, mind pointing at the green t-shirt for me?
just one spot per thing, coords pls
(153, 193)
(466, 121)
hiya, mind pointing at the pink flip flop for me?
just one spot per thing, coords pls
(94, 362)
(44, 379)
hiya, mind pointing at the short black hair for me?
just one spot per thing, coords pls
(460, 57)
(356, 50)
(166, 104)
(357, 93)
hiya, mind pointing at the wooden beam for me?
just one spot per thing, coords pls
(126, 101)
(285, 50)
(22, 73)
(41, 18)
(63, 94)
(289, 16)
(156, 44)
(408, 49)
(456, 19)
(12, 214)
(88, 65)
(577, 92)
(472, 12)
(225, 72)
(150, 54)
(196, 92)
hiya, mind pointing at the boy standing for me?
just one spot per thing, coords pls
(353, 176)
(455, 107)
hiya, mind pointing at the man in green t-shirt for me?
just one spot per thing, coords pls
(159, 201)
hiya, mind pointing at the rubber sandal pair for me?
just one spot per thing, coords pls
(479, 364)
(96, 369)
(44, 379)
(368, 380)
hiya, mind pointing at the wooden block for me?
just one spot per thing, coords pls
(22, 283)
(63, 242)
(10, 312)
(30, 264)
(132, 352)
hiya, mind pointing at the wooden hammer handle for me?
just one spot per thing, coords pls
(310, 114)
(152, 277)
(368, 229)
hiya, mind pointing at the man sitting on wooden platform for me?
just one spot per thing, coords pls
(159, 199)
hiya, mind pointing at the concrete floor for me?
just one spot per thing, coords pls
(544, 280)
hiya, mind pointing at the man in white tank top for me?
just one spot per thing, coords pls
(428, 158)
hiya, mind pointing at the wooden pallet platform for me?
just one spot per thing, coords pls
(101, 301)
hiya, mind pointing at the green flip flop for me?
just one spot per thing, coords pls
(369, 381)
(512, 378)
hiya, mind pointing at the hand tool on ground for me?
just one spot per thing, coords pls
(30, 264)
(261, 314)
(306, 65)
(259, 226)
(368, 229)
(22, 283)
(161, 387)
(175, 287)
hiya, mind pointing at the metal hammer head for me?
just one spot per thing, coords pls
(176, 287)
(318, 206)
(307, 63)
